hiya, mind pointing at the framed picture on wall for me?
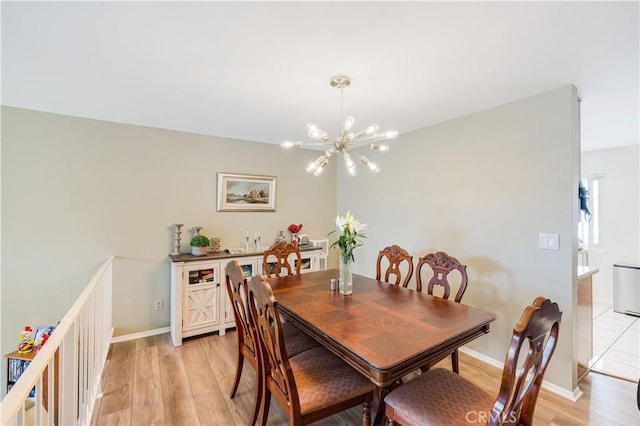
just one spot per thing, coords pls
(246, 193)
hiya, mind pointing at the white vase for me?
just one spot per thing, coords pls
(346, 276)
(199, 251)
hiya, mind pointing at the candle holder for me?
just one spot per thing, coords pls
(177, 239)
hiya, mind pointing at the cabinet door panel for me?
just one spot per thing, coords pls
(201, 307)
(201, 294)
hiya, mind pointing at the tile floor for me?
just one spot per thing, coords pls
(616, 343)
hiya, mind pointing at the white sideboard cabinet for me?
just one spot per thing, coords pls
(199, 300)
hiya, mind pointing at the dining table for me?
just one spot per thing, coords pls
(382, 330)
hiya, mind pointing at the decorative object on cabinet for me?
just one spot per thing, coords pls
(294, 229)
(177, 238)
(303, 239)
(41, 335)
(216, 244)
(25, 345)
(199, 245)
(246, 193)
(197, 304)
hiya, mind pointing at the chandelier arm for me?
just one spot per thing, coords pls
(316, 144)
(349, 150)
(357, 143)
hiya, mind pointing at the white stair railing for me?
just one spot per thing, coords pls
(71, 362)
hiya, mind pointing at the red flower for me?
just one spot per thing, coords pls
(294, 228)
(28, 328)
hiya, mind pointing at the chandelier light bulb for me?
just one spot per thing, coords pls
(379, 147)
(347, 160)
(371, 129)
(348, 123)
(391, 134)
(290, 144)
(352, 171)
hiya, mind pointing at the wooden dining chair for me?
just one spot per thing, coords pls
(441, 265)
(309, 386)
(395, 256)
(297, 340)
(420, 401)
(281, 251)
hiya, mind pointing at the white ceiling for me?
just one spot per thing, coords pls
(260, 71)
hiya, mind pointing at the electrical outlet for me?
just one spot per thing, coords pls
(159, 304)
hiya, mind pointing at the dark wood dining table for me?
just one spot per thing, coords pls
(383, 331)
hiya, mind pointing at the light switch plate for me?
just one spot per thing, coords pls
(549, 241)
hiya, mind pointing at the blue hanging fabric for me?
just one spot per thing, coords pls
(583, 194)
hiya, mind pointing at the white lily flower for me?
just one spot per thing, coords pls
(350, 230)
(341, 222)
(359, 227)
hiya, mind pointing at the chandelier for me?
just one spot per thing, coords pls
(347, 141)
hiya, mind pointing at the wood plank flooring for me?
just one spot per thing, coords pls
(149, 382)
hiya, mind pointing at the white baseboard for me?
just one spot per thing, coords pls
(140, 335)
(572, 396)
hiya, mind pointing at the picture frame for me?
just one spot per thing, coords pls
(246, 193)
(40, 330)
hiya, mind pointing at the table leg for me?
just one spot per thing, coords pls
(381, 392)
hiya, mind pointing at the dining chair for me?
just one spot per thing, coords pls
(308, 386)
(420, 401)
(395, 256)
(441, 265)
(297, 341)
(281, 251)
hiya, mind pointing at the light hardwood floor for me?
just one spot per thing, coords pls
(149, 382)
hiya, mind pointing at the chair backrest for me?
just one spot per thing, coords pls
(275, 362)
(281, 251)
(394, 255)
(521, 382)
(238, 295)
(441, 264)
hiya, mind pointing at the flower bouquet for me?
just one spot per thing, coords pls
(294, 229)
(350, 232)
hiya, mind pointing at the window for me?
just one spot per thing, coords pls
(589, 228)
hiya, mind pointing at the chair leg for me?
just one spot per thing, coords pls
(454, 362)
(236, 381)
(257, 401)
(366, 414)
(266, 401)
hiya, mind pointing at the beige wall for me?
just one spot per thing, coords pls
(482, 187)
(75, 191)
(620, 208)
